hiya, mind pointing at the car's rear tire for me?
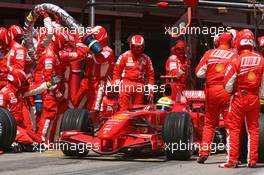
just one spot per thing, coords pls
(261, 138)
(243, 145)
(8, 129)
(78, 120)
(178, 130)
(243, 149)
(262, 108)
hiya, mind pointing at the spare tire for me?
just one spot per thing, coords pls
(178, 130)
(8, 129)
(79, 120)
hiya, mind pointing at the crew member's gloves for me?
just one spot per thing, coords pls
(54, 81)
(92, 43)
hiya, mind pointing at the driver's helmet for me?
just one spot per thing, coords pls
(165, 104)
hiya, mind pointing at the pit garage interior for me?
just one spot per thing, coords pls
(122, 21)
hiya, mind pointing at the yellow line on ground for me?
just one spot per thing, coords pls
(50, 154)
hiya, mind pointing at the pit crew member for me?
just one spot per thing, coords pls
(134, 69)
(212, 67)
(243, 79)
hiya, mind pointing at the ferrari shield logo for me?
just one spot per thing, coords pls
(157, 119)
(219, 68)
(251, 75)
(130, 59)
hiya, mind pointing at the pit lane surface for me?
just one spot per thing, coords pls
(53, 162)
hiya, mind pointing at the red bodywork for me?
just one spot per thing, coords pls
(125, 131)
(140, 128)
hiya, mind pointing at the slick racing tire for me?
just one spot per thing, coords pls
(244, 141)
(262, 108)
(8, 129)
(261, 138)
(178, 135)
(78, 120)
(243, 145)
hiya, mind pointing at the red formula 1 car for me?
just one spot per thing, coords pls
(142, 129)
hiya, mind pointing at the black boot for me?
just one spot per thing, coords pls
(201, 159)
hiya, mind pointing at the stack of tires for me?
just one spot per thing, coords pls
(8, 129)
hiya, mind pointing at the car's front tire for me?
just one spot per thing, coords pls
(78, 120)
(178, 135)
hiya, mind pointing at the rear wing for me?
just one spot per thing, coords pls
(194, 95)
